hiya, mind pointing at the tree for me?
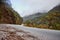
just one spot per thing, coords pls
(8, 15)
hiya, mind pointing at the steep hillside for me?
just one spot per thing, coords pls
(53, 18)
(7, 14)
(50, 21)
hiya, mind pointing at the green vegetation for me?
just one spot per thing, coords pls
(8, 15)
(51, 20)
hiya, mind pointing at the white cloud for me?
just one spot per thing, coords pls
(27, 7)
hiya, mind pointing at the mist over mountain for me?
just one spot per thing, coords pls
(6, 2)
(56, 8)
(50, 20)
(33, 16)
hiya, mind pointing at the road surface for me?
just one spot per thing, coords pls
(43, 34)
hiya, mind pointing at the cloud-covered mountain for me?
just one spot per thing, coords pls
(51, 20)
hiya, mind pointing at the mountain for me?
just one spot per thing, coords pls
(57, 8)
(32, 17)
(50, 20)
(7, 14)
(53, 18)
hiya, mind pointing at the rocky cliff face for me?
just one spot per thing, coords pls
(8, 15)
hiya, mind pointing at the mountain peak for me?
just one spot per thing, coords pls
(5, 2)
(56, 8)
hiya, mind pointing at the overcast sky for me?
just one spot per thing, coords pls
(28, 7)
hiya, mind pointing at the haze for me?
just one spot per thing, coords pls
(28, 7)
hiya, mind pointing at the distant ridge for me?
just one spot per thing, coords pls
(33, 16)
(50, 20)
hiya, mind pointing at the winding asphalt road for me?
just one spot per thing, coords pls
(43, 34)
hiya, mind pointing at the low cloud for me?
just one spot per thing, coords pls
(27, 7)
